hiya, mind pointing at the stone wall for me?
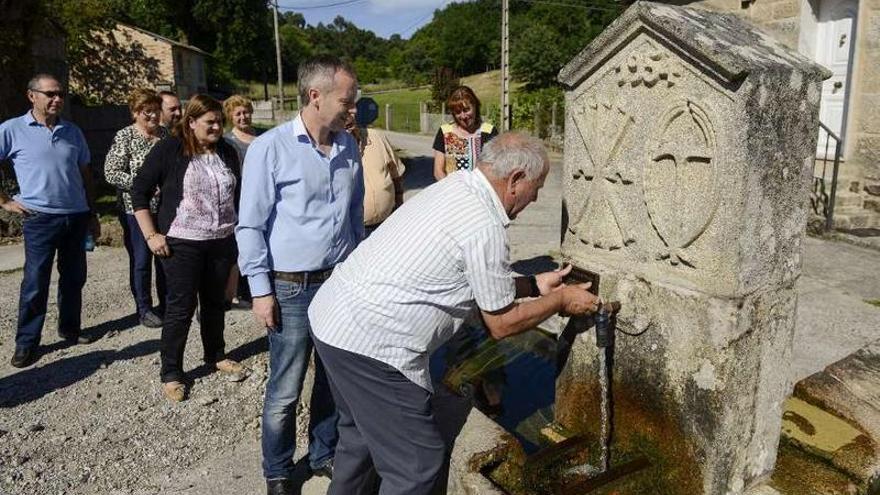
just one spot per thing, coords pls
(126, 58)
(864, 132)
(153, 48)
(779, 18)
(190, 77)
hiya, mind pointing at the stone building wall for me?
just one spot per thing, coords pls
(190, 76)
(153, 47)
(786, 20)
(864, 130)
(125, 58)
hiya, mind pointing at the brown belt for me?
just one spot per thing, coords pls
(316, 276)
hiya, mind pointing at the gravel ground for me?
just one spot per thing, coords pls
(91, 419)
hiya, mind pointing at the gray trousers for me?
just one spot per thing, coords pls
(386, 426)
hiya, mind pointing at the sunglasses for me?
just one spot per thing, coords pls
(51, 94)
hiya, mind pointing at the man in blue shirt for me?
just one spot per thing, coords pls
(51, 159)
(301, 213)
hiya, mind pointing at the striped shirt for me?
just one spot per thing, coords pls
(408, 287)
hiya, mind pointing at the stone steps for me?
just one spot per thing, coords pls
(848, 199)
(863, 219)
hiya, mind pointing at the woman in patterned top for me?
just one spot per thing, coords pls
(200, 177)
(458, 144)
(126, 155)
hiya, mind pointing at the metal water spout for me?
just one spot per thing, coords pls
(606, 323)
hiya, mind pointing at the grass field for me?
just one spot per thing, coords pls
(405, 102)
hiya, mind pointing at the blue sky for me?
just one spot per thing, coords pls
(383, 17)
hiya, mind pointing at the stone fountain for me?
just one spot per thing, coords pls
(689, 141)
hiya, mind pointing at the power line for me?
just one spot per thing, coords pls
(422, 18)
(328, 5)
(585, 7)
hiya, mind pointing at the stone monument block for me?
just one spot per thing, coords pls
(688, 152)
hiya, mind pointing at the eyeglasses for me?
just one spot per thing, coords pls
(150, 113)
(51, 94)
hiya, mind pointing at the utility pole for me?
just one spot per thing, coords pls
(505, 65)
(278, 58)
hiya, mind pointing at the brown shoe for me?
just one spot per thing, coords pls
(229, 366)
(175, 391)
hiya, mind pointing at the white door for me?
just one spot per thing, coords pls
(834, 50)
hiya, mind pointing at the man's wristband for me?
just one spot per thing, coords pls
(533, 286)
(154, 234)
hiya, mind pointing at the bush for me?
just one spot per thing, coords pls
(445, 81)
(533, 111)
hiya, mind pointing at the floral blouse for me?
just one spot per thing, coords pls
(125, 158)
(207, 207)
(462, 152)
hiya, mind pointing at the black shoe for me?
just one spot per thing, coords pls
(24, 357)
(76, 338)
(325, 469)
(151, 320)
(281, 486)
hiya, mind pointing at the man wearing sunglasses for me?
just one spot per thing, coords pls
(51, 159)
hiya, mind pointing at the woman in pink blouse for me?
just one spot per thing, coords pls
(200, 176)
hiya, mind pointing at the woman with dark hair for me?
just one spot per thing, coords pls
(125, 158)
(458, 144)
(200, 178)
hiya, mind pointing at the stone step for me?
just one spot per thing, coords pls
(831, 429)
(864, 219)
(845, 199)
(798, 473)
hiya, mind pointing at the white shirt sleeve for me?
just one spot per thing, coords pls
(487, 268)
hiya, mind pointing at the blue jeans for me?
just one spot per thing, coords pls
(140, 267)
(44, 234)
(290, 346)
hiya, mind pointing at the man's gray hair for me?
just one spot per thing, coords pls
(34, 83)
(318, 72)
(514, 151)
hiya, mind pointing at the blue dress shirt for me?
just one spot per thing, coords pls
(300, 210)
(47, 164)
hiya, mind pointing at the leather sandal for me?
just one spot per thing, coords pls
(174, 391)
(229, 366)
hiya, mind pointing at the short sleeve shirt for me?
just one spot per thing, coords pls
(381, 168)
(47, 164)
(410, 285)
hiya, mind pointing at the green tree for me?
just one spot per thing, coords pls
(545, 37)
(295, 45)
(242, 38)
(463, 36)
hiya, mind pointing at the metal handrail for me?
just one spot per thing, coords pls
(827, 200)
(829, 131)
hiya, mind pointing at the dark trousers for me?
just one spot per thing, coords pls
(386, 426)
(44, 234)
(196, 272)
(140, 267)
